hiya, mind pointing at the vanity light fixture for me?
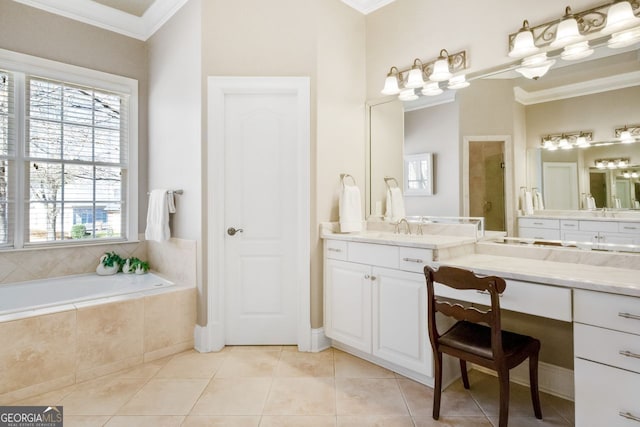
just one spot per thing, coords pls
(628, 134)
(612, 163)
(617, 20)
(567, 140)
(402, 82)
(536, 66)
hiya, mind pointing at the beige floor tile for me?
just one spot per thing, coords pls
(247, 363)
(99, 397)
(165, 397)
(348, 366)
(220, 421)
(298, 421)
(369, 396)
(145, 421)
(455, 400)
(51, 398)
(255, 348)
(454, 422)
(301, 396)
(192, 365)
(233, 396)
(294, 364)
(376, 421)
(146, 370)
(552, 421)
(565, 408)
(486, 392)
(85, 420)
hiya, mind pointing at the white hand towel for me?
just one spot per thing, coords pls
(538, 202)
(528, 203)
(591, 203)
(395, 205)
(616, 203)
(350, 209)
(158, 216)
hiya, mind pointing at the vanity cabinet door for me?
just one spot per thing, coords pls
(347, 303)
(399, 311)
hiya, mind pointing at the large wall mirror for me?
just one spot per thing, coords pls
(486, 141)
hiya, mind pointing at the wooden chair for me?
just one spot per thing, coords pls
(467, 340)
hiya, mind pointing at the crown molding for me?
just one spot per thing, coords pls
(589, 87)
(111, 19)
(367, 6)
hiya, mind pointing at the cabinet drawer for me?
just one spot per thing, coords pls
(539, 233)
(414, 259)
(613, 348)
(378, 255)
(335, 249)
(531, 298)
(629, 227)
(608, 226)
(539, 223)
(567, 224)
(605, 396)
(618, 312)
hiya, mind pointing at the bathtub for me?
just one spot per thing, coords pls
(59, 291)
(65, 330)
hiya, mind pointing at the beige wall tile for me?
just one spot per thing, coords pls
(110, 333)
(37, 350)
(169, 319)
(163, 256)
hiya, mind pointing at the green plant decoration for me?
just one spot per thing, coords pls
(109, 259)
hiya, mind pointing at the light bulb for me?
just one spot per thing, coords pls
(535, 66)
(408, 95)
(624, 38)
(415, 78)
(391, 83)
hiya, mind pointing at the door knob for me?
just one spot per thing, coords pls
(231, 231)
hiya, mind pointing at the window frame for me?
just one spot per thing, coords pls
(22, 65)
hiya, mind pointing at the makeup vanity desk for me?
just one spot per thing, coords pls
(375, 307)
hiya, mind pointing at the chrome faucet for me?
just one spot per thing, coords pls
(400, 222)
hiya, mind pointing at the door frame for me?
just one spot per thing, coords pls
(509, 205)
(212, 338)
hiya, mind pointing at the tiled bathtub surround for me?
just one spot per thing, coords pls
(42, 263)
(175, 259)
(46, 352)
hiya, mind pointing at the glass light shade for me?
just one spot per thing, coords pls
(391, 86)
(415, 79)
(536, 66)
(567, 33)
(625, 136)
(440, 70)
(547, 143)
(582, 142)
(523, 44)
(624, 38)
(600, 165)
(458, 82)
(431, 89)
(622, 164)
(552, 146)
(611, 165)
(407, 95)
(634, 174)
(564, 144)
(576, 51)
(626, 175)
(620, 17)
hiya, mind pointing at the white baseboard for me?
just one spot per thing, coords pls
(319, 340)
(552, 379)
(204, 341)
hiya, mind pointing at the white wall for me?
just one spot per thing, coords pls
(175, 131)
(435, 130)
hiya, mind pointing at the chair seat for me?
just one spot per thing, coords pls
(476, 339)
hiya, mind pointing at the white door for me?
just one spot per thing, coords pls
(560, 180)
(260, 205)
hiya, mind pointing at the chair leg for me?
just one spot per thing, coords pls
(533, 381)
(437, 390)
(503, 379)
(463, 371)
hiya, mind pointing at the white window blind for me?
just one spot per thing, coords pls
(75, 162)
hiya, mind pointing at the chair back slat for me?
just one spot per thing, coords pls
(459, 312)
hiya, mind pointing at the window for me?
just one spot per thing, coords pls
(66, 141)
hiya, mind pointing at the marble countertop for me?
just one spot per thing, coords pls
(578, 276)
(426, 241)
(582, 217)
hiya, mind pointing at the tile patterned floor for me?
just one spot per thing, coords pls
(280, 387)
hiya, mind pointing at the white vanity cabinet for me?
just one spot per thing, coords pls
(607, 359)
(375, 302)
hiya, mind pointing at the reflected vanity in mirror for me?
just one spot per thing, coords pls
(599, 96)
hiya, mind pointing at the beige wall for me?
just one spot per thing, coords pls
(175, 125)
(35, 32)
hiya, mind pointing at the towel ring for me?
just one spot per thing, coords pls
(388, 179)
(178, 192)
(344, 176)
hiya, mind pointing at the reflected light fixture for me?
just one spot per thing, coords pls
(401, 82)
(523, 44)
(612, 163)
(628, 134)
(536, 66)
(576, 51)
(624, 38)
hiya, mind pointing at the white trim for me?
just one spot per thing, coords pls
(319, 340)
(604, 84)
(111, 19)
(552, 379)
(509, 203)
(367, 6)
(218, 88)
